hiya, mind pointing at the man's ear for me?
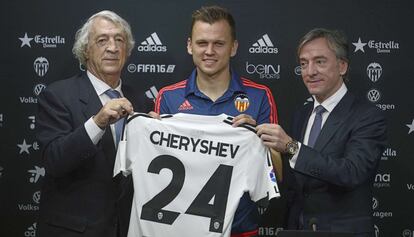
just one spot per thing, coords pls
(189, 48)
(234, 48)
(343, 67)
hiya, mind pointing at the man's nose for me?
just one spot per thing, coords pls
(312, 69)
(210, 49)
(112, 45)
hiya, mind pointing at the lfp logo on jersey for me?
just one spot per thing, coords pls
(241, 102)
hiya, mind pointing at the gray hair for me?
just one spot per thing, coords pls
(82, 35)
(337, 42)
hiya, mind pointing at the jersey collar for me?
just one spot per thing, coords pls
(236, 86)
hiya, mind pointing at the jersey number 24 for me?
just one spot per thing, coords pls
(217, 187)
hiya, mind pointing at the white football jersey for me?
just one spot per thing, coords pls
(189, 173)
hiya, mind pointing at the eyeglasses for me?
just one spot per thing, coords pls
(101, 42)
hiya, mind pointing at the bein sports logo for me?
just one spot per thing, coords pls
(267, 71)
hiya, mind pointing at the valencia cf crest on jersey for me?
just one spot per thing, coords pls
(241, 102)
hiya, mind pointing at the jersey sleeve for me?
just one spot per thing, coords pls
(160, 106)
(262, 179)
(268, 111)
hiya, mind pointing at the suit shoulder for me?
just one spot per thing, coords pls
(65, 84)
(363, 105)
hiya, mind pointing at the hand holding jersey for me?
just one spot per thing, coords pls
(190, 172)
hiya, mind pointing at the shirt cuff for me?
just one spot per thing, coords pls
(294, 158)
(94, 132)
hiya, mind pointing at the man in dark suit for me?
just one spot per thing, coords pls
(335, 144)
(78, 135)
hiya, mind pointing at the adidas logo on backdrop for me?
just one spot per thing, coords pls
(263, 45)
(152, 44)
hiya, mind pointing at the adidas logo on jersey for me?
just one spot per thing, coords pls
(185, 106)
(152, 44)
(263, 45)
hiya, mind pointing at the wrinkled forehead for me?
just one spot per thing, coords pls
(105, 26)
(317, 47)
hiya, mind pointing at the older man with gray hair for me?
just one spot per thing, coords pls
(79, 124)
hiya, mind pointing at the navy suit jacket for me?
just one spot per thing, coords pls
(333, 181)
(79, 195)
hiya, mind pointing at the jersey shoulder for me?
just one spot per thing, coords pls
(173, 89)
(253, 85)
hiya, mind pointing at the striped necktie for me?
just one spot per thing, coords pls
(113, 94)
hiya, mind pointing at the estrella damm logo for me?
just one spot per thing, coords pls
(241, 102)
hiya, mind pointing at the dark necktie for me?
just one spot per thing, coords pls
(317, 125)
(113, 94)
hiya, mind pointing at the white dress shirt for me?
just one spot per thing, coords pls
(329, 105)
(95, 133)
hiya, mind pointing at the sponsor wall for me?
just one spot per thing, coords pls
(39, 37)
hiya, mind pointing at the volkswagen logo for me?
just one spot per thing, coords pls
(38, 89)
(374, 95)
(374, 203)
(36, 197)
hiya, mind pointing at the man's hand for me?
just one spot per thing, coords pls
(154, 115)
(112, 112)
(273, 136)
(243, 118)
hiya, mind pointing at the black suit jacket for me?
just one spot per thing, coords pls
(79, 195)
(333, 181)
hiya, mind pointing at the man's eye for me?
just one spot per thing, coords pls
(101, 42)
(120, 39)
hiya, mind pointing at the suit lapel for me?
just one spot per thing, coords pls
(88, 97)
(92, 105)
(299, 134)
(303, 120)
(335, 119)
